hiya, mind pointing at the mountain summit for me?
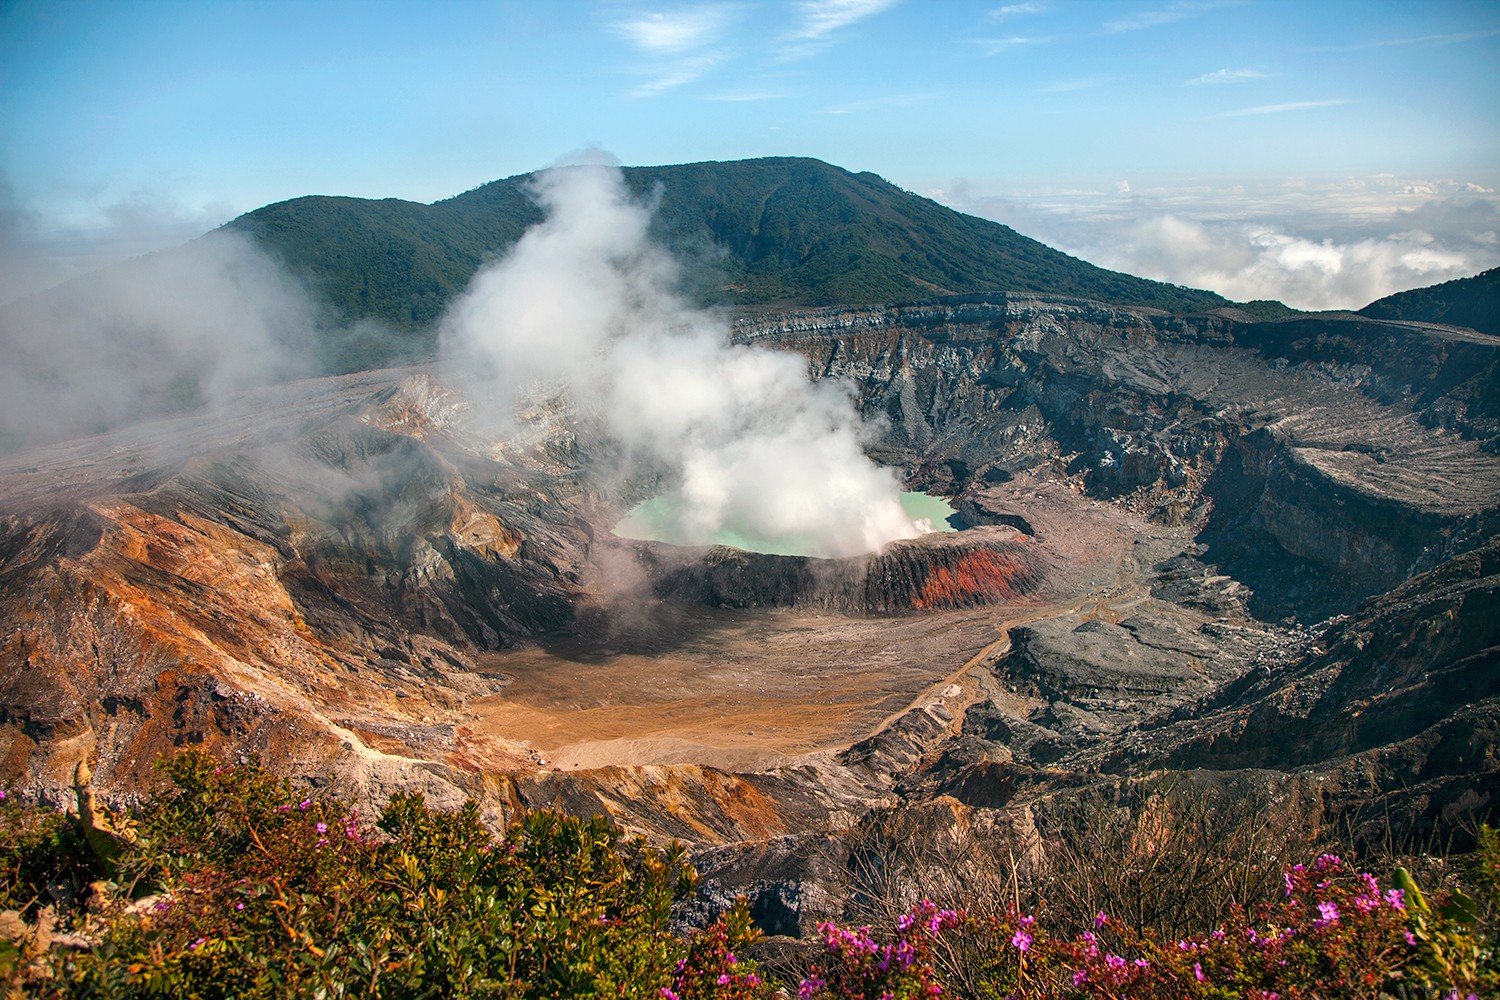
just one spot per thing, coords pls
(776, 232)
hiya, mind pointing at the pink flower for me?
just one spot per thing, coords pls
(1395, 899)
(1022, 940)
(1328, 913)
(1198, 972)
(1100, 919)
(321, 827)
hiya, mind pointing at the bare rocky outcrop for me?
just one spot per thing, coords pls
(1259, 553)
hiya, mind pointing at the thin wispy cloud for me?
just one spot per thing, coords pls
(1016, 10)
(820, 18)
(995, 46)
(678, 31)
(1074, 85)
(680, 44)
(676, 74)
(1159, 16)
(1442, 39)
(742, 96)
(1219, 76)
(1278, 109)
(877, 103)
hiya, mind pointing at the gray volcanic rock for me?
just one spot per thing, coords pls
(1332, 453)
(1167, 512)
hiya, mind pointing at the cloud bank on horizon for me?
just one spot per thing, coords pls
(206, 113)
(1330, 246)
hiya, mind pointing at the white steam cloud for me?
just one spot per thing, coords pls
(584, 303)
(162, 333)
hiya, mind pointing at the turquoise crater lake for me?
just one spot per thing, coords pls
(660, 520)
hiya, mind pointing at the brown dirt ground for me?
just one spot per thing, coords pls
(749, 690)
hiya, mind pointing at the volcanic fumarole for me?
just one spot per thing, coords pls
(584, 306)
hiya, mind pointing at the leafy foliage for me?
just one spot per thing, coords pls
(40, 848)
(239, 886)
(267, 893)
(1472, 302)
(1336, 933)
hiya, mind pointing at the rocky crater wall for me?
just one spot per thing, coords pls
(1352, 451)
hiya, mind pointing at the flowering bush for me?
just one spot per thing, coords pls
(238, 886)
(265, 892)
(713, 968)
(1336, 933)
(860, 966)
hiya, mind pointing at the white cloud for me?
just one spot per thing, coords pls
(159, 333)
(1311, 244)
(675, 74)
(35, 254)
(995, 46)
(820, 18)
(1160, 16)
(677, 31)
(681, 43)
(1016, 10)
(584, 303)
(1228, 76)
(1245, 262)
(1278, 109)
(1453, 38)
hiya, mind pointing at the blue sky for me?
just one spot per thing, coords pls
(1319, 152)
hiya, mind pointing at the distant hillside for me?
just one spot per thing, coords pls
(767, 232)
(1472, 302)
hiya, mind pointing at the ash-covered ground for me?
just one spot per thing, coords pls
(1258, 551)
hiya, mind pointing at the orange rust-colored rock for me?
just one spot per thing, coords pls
(981, 576)
(482, 531)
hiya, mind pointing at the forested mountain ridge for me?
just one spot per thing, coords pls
(768, 232)
(1472, 302)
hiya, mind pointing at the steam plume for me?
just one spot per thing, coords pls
(584, 303)
(163, 333)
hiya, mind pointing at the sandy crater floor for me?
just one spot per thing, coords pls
(750, 690)
(744, 690)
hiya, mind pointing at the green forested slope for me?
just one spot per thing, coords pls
(1472, 302)
(780, 231)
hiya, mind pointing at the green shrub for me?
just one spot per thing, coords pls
(239, 886)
